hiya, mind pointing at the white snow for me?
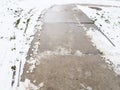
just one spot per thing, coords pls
(41, 85)
(18, 23)
(27, 85)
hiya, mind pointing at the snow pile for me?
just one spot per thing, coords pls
(107, 40)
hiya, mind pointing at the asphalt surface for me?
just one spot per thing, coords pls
(65, 58)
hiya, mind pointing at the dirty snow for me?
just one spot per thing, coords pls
(19, 20)
(60, 51)
(108, 22)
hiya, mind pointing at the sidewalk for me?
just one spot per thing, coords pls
(65, 58)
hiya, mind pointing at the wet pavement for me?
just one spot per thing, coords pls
(65, 58)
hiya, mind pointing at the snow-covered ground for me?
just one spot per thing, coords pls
(19, 20)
